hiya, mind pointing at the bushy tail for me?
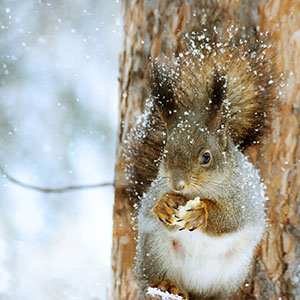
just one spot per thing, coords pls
(142, 151)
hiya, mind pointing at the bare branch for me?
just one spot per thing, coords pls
(58, 190)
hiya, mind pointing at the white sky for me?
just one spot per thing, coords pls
(58, 120)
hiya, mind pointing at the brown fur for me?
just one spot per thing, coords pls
(213, 97)
(229, 85)
(142, 152)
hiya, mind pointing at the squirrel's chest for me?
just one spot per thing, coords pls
(200, 246)
(198, 260)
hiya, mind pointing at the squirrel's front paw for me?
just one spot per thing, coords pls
(167, 207)
(193, 215)
(169, 286)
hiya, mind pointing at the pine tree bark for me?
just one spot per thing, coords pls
(155, 28)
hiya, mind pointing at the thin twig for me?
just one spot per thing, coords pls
(53, 190)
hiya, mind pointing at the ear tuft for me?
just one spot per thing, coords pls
(162, 91)
(217, 109)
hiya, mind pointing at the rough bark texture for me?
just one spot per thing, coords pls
(153, 28)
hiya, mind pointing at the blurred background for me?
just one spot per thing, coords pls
(58, 122)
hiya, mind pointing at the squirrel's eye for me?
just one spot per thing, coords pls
(205, 158)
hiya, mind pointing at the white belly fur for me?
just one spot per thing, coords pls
(203, 264)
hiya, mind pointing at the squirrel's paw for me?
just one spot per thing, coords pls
(166, 208)
(193, 215)
(169, 286)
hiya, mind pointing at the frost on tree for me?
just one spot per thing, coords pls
(158, 29)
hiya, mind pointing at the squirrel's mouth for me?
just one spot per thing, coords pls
(204, 190)
(188, 191)
(200, 185)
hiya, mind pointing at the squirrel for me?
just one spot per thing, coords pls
(202, 217)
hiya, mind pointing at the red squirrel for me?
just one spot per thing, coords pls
(202, 217)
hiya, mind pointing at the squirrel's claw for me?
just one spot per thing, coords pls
(194, 217)
(170, 287)
(170, 210)
(166, 208)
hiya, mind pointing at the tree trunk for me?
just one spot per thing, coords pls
(155, 28)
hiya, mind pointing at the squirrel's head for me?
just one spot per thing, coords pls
(194, 159)
(198, 146)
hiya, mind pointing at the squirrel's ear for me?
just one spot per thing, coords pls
(217, 114)
(217, 95)
(162, 92)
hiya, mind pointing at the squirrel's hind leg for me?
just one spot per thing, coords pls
(169, 286)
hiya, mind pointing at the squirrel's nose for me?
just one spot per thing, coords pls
(178, 185)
